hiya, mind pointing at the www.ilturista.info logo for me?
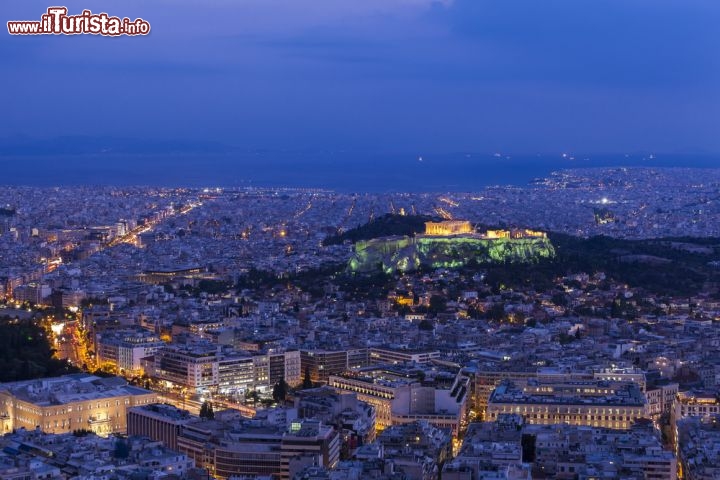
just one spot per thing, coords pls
(57, 22)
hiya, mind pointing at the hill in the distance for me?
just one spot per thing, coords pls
(387, 225)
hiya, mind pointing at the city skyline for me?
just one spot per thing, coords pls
(360, 239)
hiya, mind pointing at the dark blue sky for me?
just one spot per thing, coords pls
(379, 75)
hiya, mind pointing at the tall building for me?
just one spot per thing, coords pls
(320, 364)
(228, 449)
(400, 396)
(661, 398)
(236, 374)
(194, 366)
(308, 440)
(32, 292)
(486, 379)
(235, 447)
(159, 422)
(395, 355)
(277, 366)
(203, 367)
(125, 349)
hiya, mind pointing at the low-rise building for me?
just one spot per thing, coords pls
(596, 403)
(417, 449)
(699, 447)
(124, 349)
(403, 394)
(511, 448)
(71, 402)
(387, 355)
(355, 420)
(35, 455)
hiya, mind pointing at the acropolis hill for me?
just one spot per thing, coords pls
(450, 244)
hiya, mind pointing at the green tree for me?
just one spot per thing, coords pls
(307, 381)
(437, 304)
(122, 450)
(559, 299)
(425, 325)
(25, 352)
(252, 395)
(280, 390)
(497, 311)
(206, 411)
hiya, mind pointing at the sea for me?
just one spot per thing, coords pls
(343, 172)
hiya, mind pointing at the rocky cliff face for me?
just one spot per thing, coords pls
(407, 254)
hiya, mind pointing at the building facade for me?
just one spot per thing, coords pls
(594, 403)
(71, 402)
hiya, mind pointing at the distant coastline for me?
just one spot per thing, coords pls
(342, 172)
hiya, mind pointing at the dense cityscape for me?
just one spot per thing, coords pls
(360, 240)
(564, 329)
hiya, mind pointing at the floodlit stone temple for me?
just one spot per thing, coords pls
(464, 227)
(448, 227)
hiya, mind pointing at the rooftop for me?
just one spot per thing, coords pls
(70, 388)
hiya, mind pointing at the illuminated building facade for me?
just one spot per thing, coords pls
(527, 234)
(693, 404)
(514, 234)
(696, 404)
(204, 367)
(125, 349)
(400, 400)
(157, 421)
(192, 366)
(697, 451)
(497, 234)
(308, 440)
(71, 402)
(485, 382)
(232, 449)
(320, 364)
(594, 403)
(448, 227)
(389, 355)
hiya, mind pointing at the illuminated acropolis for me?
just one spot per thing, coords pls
(463, 227)
(450, 244)
(448, 227)
(497, 234)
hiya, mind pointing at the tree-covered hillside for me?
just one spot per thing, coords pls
(384, 226)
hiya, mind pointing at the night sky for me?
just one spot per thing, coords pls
(379, 75)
